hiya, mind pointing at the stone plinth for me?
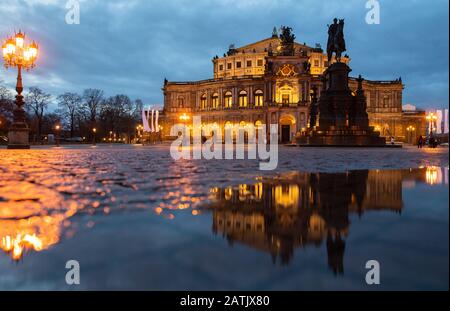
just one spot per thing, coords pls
(18, 136)
(343, 119)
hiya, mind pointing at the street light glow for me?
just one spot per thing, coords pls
(184, 117)
(17, 54)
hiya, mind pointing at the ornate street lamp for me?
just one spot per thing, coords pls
(17, 54)
(431, 118)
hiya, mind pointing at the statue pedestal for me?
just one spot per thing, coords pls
(18, 136)
(343, 120)
(345, 136)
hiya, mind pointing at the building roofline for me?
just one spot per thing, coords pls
(240, 78)
(268, 39)
(379, 81)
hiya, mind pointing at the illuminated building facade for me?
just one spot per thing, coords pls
(260, 84)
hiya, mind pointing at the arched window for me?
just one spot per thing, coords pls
(242, 99)
(228, 97)
(203, 101)
(259, 98)
(215, 101)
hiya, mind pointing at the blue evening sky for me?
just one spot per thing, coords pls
(130, 46)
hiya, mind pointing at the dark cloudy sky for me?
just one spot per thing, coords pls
(129, 46)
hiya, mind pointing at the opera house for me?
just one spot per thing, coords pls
(271, 81)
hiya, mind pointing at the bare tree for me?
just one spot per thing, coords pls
(37, 102)
(49, 121)
(6, 108)
(6, 102)
(91, 102)
(70, 104)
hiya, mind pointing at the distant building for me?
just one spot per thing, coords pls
(260, 84)
(414, 123)
(441, 121)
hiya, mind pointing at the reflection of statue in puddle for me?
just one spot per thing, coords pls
(301, 209)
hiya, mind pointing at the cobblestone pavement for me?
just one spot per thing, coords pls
(132, 177)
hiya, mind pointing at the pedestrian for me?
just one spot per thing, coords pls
(431, 141)
(420, 142)
(392, 140)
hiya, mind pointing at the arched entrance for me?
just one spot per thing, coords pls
(287, 128)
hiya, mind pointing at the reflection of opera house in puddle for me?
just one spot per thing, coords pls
(300, 209)
(276, 215)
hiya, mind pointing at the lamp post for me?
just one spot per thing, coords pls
(431, 118)
(139, 128)
(94, 131)
(17, 54)
(57, 129)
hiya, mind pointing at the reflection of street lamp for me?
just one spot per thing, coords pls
(410, 129)
(94, 131)
(17, 54)
(57, 128)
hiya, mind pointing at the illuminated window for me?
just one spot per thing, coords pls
(316, 63)
(228, 193)
(249, 63)
(215, 100)
(220, 67)
(242, 99)
(238, 64)
(259, 98)
(259, 191)
(203, 101)
(229, 66)
(285, 98)
(228, 97)
(260, 62)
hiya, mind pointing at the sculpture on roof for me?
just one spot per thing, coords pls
(287, 41)
(274, 32)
